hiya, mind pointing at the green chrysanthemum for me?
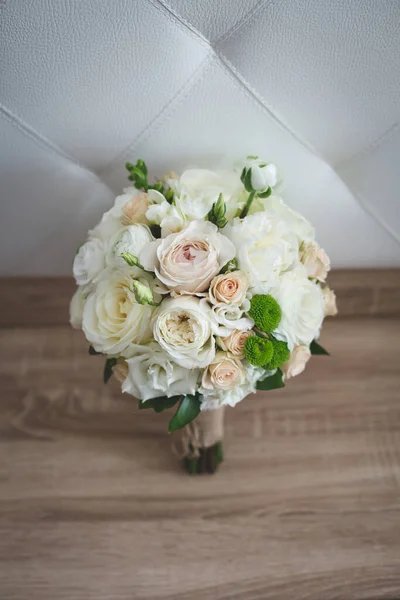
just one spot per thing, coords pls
(258, 351)
(265, 311)
(280, 354)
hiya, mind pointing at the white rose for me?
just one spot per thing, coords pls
(76, 306)
(296, 364)
(265, 248)
(187, 261)
(295, 222)
(315, 260)
(263, 175)
(229, 288)
(213, 399)
(302, 307)
(112, 319)
(230, 316)
(89, 261)
(330, 307)
(152, 373)
(234, 343)
(223, 373)
(184, 329)
(129, 239)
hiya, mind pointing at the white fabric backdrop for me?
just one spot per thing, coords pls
(313, 85)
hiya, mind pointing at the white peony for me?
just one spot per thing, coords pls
(213, 399)
(187, 261)
(302, 305)
(265, 248)
(294, 220)
(152, 373)
(89, 261)
(184, 329)
(112, 319)
(128, 239)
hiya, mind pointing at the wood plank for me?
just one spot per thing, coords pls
(93, 504)
(44, 301)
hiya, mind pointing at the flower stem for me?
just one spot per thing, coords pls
(248, 204)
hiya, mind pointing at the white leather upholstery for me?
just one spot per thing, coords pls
(313, 85)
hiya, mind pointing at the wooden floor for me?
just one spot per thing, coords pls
(93, 504)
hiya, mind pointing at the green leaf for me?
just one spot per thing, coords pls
(93, 352)
(317, 349)
(243, 175)
(142, 166)
(188, 410)
(169, 196)
(129, 166)
(247, 181)
(156, 231)
(160, 403)
(108, 368)
(274, 382)
(230, 266)
(265, 194)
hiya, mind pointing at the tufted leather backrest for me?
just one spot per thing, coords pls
(312, 85)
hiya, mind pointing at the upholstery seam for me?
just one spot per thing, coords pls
(237, 26)
(374, 145)
(180, 22)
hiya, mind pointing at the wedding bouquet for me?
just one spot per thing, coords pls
(200, 290)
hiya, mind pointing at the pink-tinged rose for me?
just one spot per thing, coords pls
(315, 260)
(225, 372)
(234, 343)
(187, 261)
(134, 211)
(296, 364)
(229, 288)
(330, 307)
(120, 370)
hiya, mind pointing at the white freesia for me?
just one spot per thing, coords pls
(183, 326)
(152, 373)
(229, 317)
(77, 305)
(112, 318)
(187, 261)
(302, 307)
(213, 399)
(130, 239)
(89, 261)
(265, 248)
(263, 175)
(167, 215)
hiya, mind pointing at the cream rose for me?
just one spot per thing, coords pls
(296, 364)
(112, 319)
(134, 211)
(77, 305)
(329, 296)
(214, 398)
(187, 261)
(234, 343)
(315, 260)
(183, 327)
(89, 261)
(224, 373)
(302, 307)
(152, 373)
(229, 288)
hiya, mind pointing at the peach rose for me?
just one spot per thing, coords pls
(229, 288)
(135, 210)
(329, 296)
(234, 343)
(296, 364)
(225, 372)
(120, 370)
(315, 260)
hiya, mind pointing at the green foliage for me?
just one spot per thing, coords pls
(160, 403)
(156, 231)
(280, 356)
(187, 410)
(273, 382)
(265, 194)
(247, 181)
(258, 350)
(217, 213)
(108, 368)
(230, 266)
(317, 349)
(93, 352)
(206, 460)
(138, 174)
(265, 311)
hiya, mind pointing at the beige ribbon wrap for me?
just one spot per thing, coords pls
(205, 431)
